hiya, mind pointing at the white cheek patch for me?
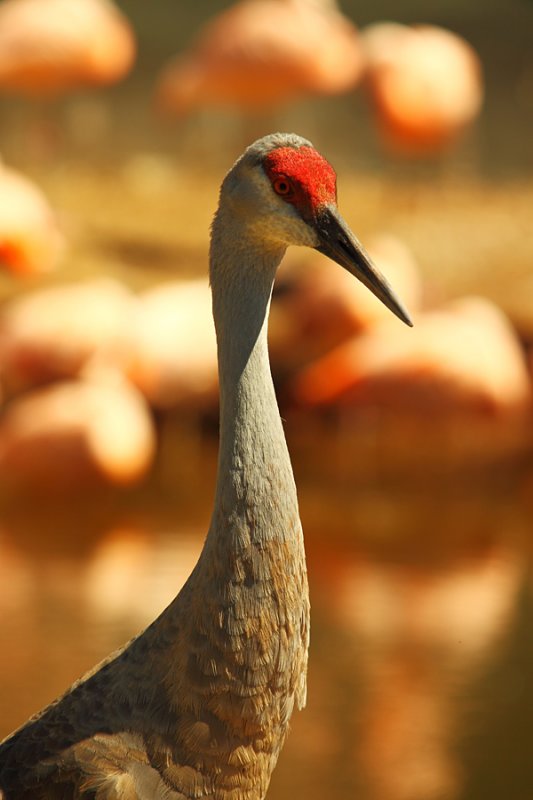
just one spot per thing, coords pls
(276, 219)
(293, 230)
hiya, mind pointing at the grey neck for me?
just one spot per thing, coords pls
(256, 497)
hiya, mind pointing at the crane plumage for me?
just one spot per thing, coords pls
(198, 705)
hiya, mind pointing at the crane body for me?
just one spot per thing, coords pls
(198, 705)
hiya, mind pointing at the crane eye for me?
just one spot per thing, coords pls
(283, 187)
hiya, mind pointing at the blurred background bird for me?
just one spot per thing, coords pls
(52, 46)
(50, 49)
(31, 241)
(261, 54)
(425, 82)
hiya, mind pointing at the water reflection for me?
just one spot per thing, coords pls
(411, 617)
(419, 608)
(419, 634)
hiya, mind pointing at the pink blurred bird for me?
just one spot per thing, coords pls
(425, 82)
(173, 352)
(259, 54)
(464, 356)
(52, 333)
(71, 432)
(317, 309)
(30, 241)
(52, 46)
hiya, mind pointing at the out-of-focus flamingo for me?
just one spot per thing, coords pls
(426, 84)
(51, 333)
(62, 435)
(464, 356)
(259, 54)
(51, 46)
(315, 310)
(174, 353)
(30, 240)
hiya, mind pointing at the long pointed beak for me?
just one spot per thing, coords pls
(339, 243)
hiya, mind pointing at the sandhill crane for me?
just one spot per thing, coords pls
(197, 706)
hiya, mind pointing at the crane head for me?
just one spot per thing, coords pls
(285, 192)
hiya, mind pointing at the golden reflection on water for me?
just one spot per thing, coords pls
(421, 618)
